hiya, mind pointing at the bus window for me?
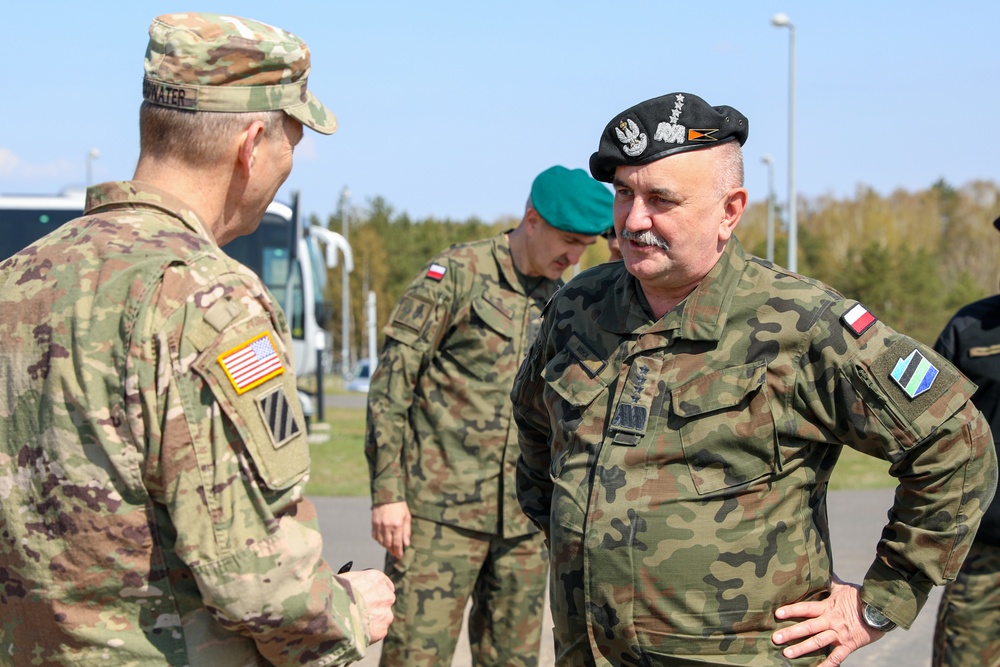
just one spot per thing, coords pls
(22, 227)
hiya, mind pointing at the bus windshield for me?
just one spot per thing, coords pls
(267, 253)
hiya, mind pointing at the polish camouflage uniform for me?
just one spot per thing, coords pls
(967, 633)
(679, 465)
(441, 437)
(152, 448)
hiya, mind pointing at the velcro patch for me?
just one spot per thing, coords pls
(590, 361)
(858, 320)
(914, 374)
(437, 272)
(252, 363)
(412, 312)
(630, 418)
(279, 418)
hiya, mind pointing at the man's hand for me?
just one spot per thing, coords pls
(379, 594)
(835, 621)
(391, 527)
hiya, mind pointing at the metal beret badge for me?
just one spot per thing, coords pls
(662, 126)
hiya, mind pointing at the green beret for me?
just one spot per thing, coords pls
(570, 200)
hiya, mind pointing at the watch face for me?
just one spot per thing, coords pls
(875, 618)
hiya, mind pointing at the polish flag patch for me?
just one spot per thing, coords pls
(436, 271)
(858, 319)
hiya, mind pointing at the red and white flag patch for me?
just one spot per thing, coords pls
(858, 319)
(436, 271)
(252, 363)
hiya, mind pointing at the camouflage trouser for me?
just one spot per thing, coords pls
(968, 622)
(440, 569)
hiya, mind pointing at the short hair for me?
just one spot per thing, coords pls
(729, 170)
(197, 138)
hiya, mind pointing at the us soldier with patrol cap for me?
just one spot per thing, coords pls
(152, 449)
(680, 415)
(441, 444)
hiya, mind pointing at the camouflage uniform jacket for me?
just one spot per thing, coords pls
(440, 433)
(150, 512)
(679, 466)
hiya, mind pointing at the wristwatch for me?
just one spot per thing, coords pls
(875, 619)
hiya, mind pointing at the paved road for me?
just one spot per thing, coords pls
(856, 519)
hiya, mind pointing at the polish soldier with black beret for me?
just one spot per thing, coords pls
(441, 444)
(680, 414)
(153, 454)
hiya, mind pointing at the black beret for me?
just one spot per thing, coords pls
(663, 126)
(996, 223)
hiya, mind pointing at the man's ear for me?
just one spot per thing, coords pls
(733, 208)
(249, 144)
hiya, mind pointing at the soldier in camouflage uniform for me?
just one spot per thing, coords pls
(442, 446)
(681, 412)
(152, 449)
(967, 633)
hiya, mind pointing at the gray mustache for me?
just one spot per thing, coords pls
(647, 238)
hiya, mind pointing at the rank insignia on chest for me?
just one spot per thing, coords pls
(914, 374)
(436, 272)
(252, 363)
(858, 320)
(630, 423)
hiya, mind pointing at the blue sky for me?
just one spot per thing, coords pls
(449, 109)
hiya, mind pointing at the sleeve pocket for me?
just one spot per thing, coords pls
(267, 415)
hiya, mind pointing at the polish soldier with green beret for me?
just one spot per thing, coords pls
(152, 448)
(680, 414)
(441, 444)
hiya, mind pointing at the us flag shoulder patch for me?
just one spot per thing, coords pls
(279, 418)
(436, 271)
(858, 320)
(252, 363)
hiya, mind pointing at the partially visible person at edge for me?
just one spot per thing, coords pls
(967, 633)
(680, 415)
(614, 245)
(441, 444)
(152, 449)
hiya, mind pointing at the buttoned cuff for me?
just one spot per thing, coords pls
(898, 598)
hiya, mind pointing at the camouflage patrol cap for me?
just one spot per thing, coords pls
(211, 62)
(570, 200)
(663, 126)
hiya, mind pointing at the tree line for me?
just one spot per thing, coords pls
(912, 258)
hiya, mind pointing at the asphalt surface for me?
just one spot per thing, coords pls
(856, 520)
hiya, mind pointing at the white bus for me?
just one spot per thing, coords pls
(281, 251)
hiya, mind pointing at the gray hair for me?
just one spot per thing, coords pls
(197, 138)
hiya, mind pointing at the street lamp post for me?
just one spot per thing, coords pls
(781, 20)
(769, 161)
(92, 155)
(345, 293)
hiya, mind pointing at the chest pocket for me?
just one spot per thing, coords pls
(484, 337)
(726, 427)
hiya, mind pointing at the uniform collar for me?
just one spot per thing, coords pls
(700, 316)
(518, 282)
(120, 194)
